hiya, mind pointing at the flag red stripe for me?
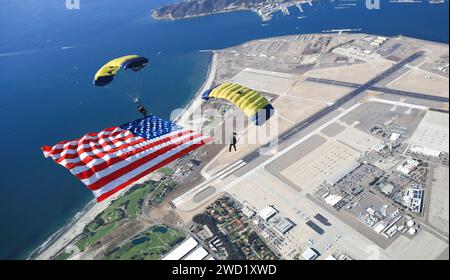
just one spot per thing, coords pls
(106, 179)
(101, 153)
(78, 141)
(88, 159)
(99, 167)
(155, 167)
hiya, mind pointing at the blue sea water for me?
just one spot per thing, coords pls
(49, 54)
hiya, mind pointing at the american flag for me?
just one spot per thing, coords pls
(116, 157)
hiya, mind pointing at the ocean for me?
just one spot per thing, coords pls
(49, 55)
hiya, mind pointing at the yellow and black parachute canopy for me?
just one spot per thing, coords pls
(107, 72)
(249, 101)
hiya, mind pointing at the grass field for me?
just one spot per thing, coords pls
(160, 192)
(94, 236)
(166, 171)
(150, 245)
(63, 256)
(129, 206)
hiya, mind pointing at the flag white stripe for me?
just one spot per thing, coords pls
(135, 172)
(97, 151)
(112, 168)
(96, 144)
(87, 137)
(98, 160)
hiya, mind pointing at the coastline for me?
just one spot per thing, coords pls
(60, 232)
(196, 101)
(64, 236)
(155, 17)
(75, 226)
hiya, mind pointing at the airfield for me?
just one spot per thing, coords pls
(331, 93)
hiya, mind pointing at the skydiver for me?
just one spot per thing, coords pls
(142, 110)
(233, 142)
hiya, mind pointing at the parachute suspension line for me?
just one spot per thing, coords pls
(139, 90)
(123, 95)
(131, 97)
(136, 89)
(139, 85)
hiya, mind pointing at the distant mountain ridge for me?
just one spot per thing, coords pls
(196, 8)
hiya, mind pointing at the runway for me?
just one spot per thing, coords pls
(379, 89)
(251, 160)
(359, 89)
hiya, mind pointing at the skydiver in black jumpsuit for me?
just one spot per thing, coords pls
(233, 143)
(142, 110)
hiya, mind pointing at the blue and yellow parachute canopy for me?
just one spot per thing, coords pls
(107, 72)
(250, 101)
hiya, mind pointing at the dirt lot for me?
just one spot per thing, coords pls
(359, 73)
(318, 92)
(439, 201)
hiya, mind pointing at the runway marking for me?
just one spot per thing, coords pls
(397, 103)
(180, 200)
(269, 73)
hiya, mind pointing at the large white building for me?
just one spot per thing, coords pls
(309, 254)
(268, 213)
(284, 225)
(198, 254)
(182, 250)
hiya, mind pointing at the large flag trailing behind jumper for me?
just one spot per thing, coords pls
(116, 157)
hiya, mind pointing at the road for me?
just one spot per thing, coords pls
(315, 117)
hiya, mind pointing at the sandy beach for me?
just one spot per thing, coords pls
(196, 102)
(57, 242)
(69, 232)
